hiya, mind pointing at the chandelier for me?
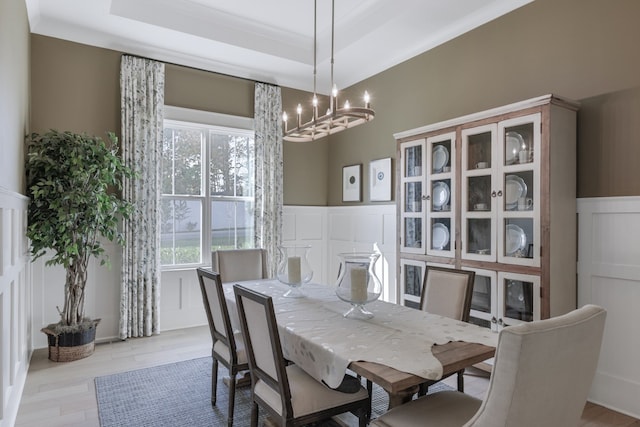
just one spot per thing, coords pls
(336, 119)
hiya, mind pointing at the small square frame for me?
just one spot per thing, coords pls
(351, 183)
(380, 180)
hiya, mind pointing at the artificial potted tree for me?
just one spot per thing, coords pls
(73, 183)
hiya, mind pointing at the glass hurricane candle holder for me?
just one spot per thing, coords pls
(293, 268)
(358, 283)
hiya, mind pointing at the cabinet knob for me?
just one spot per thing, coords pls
(500, 193)
(494, 320)
(493, 194)
(426, 197)
(500, 322)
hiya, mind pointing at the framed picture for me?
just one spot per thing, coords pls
(380, 180)
(351, 183)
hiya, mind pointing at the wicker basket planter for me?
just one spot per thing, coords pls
(70, 346)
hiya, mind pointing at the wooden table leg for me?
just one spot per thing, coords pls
(404, 396)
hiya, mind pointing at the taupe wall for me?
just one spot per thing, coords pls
(76, 87)
(14, 92)
(581, 49)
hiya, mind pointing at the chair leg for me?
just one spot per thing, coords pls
(423, 389)
(214, 381)
(461, 381)
(370, 392)
(254, 415)
(232, 398)
(363, 417)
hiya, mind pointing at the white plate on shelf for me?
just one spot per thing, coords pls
(439, 236)
(513, 145)
(515, 239)
(440, 157)
(514, 188)
(440, 195)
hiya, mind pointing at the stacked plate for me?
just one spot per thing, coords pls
(439, 236)
(441, 194)
(440, 158)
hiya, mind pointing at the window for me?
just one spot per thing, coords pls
(207, 185)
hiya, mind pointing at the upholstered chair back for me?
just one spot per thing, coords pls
(543, 371)
(447, 292)
(237, 265)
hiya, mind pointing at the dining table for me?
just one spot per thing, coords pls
(399, 348)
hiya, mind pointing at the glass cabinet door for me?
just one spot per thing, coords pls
(440, 183)
(478, 205)
(519, 207)
(412, 197)
(519, 298)
(411, 279)
(484, 300)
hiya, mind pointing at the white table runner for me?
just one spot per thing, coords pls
(321, 341)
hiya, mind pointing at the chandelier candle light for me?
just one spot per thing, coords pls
(336, 119)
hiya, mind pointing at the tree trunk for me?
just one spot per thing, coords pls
(73, 311)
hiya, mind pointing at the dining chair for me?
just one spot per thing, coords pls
(541, 377)
(447, 292)
(236, 265)
(228, 346)
(287, 393)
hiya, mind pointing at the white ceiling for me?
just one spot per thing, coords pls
(267, 40)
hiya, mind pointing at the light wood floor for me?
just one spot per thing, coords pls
(63, 394)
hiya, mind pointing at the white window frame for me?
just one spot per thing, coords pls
(212, 121)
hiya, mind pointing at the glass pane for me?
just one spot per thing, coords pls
(518, 191)
(480, 322)
(518, 301)
(412, 304)
(413, 232)
(232, 225)
(479, 236)
(481, 298)
(412, 280)
(441, 234)
(518, 237)
(479, 193)
(182, 161)
(413, 165)
(231, 165)
(518, 144)
(180, 232)
(479, 151)
(413, 197)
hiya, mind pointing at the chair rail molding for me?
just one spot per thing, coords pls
(609, 276)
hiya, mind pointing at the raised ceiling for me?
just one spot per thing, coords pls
(267, 40)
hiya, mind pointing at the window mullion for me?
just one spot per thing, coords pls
(206, 200)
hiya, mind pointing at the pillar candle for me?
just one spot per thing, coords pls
(293, 268)
(359, 285)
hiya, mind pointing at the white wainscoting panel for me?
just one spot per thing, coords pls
(15, 304)
(609, 276)
(307, 225)
(361, 229)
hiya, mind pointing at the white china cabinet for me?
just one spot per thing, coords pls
(493, 192)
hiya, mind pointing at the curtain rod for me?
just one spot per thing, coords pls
(198, 69)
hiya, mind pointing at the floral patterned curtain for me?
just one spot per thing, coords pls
(268, 192)
(142, 101)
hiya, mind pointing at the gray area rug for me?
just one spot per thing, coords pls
(179, 395)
